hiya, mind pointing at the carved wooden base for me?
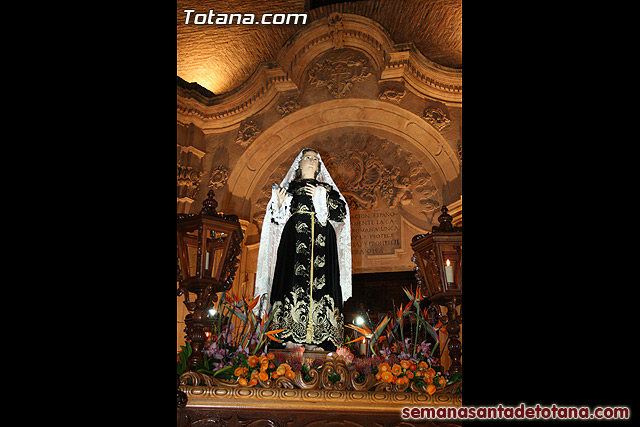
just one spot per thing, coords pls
(296, 399)
(200, 416)
(245, 406)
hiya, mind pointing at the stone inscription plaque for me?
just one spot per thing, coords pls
(374, 232)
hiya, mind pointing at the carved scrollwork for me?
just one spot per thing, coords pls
(333, 366)
(247, 133)
(280, 382)
(362, 385)
(232, 261)
(392, 95)
(188, 181)
(196, 378)
(219, 177)
(338, 71)
(369, 183)
(289, 106)
(436, 118)
(314, 384)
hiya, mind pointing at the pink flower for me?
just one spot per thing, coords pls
(297, 351)
(344, 352)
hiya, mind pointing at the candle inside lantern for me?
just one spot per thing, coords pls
(448, 270)
(206, 262)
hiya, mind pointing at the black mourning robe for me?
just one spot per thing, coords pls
(306, 296)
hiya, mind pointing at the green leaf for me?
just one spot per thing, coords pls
(455, 378)
(261, 335)
(430, 329)
(334, 377)
(244, 361)
(433, 350)
(223, 373)
(377, 332)
(205, 371)
(406, 292)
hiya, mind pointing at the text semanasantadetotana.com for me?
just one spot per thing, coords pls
(517, 413)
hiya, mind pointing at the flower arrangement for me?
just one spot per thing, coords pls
(238, 354)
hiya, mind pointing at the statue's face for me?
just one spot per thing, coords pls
(309, 164)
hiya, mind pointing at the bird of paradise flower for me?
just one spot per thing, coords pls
(368, 336)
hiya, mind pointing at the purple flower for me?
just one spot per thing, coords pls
(226, 334)
(254, 338)
(241, 350)
(221, 353)
(210, 349)
(218, 366)
(424, 347)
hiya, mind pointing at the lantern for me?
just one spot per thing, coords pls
(208, 249)
(438, 259)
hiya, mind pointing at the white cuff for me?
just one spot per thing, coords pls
(320, 204)
(279, 215)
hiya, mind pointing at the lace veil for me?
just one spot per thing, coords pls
(272, 230)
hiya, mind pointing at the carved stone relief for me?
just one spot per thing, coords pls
(189, 166)
(336, 30)
(436, 118)
(392, 95)
(247, 133)
(289, 106)
(338, 71)
(219, 177)
(188, 181)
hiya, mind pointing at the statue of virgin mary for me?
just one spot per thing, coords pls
(304, 260)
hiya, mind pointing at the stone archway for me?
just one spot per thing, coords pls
(291, 133)
(410, 172)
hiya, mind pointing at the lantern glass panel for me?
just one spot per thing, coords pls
(191, 243)
(213, 253)
(451, 273)
(432, 275)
